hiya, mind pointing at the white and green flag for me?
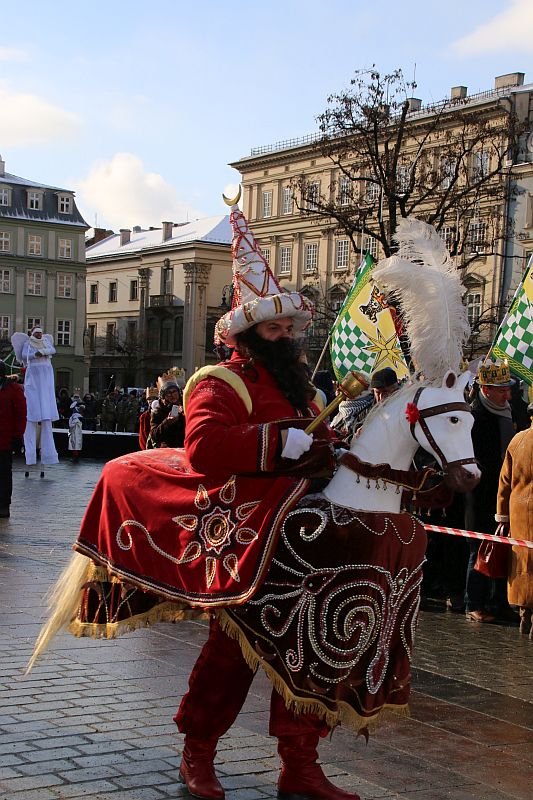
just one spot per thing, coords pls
(364, 337)
(514, 340)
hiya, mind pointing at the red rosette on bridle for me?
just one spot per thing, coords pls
(412, 414)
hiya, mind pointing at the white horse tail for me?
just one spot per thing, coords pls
(63, 602)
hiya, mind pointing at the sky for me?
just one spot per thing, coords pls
(139, 107)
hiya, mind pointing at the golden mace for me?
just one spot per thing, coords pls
(351, 387)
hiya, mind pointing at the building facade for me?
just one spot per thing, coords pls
(42, 271)
(312, 253)
(153, 298)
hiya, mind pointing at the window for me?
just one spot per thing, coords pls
(64, 379)
(93, 293)
(65, 204)
(5, 241)
(480, 165)
(110, 336)
(5, 326)
(447, 234)
(345, 190)
(342, 250)
(4, 196)
(168, 280)
(32, 322)
(473, 306)
(34, 283)
(447, 172)
(403, 178)
(285, 254)
(312, 195)
(134, 289)
(371, 190)
(34, 245)
(112, 291)
(65, 284)
(64, 332)
(266, 254)
(477, 237)
(131, 333)
(5, 281)
(311, 257)
(35, 200)
(336, 300)
(178, 334)
(167, 331)
(266, 204)
(286, 200)
(92, 338)
(65, 248)
(370, 245)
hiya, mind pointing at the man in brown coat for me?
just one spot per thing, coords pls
(514, 512)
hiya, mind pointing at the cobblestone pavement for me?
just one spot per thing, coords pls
(94, 719)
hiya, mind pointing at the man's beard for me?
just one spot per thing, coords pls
(282, 360)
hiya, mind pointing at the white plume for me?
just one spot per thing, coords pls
(425, 280)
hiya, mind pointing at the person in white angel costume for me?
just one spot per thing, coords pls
(35, 353)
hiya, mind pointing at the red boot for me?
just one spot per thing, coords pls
(197, 770)
(301, 777)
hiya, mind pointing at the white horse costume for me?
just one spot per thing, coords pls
(332, 622)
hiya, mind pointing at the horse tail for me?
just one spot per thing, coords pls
(63, 602)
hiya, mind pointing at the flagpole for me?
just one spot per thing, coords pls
(321, 356)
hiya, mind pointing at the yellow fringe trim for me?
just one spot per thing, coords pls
(224, 374)
(164, 612)
(345, 715)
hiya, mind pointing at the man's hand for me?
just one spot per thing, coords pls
(295, 443)
(38, 354)
(503, 529)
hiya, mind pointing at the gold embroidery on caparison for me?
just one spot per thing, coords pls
(210, 570)
(232, 565)
(191, 552)
(202, 498)
(227, 493)
(187, 521)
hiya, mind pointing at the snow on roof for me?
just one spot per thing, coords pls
(212, 230)
(8, 178)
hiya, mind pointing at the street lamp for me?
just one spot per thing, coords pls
(227, 297)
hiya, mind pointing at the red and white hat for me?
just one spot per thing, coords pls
(257, 296)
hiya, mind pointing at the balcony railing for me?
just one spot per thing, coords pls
(163, 300)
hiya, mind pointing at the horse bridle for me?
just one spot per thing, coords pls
(434, 411)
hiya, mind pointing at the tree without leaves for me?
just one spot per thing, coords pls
(444, 164)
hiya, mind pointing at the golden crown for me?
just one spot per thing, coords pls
(490, 374)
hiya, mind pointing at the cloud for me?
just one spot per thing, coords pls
(28, 120)
(122, 194)
(13, 54)
(511, 31)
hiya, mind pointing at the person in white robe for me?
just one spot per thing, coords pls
(75, 431)
(35, 353)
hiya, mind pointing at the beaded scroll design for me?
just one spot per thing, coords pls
(327, 621)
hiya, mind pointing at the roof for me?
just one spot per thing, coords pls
(210, 230)
(48, 213)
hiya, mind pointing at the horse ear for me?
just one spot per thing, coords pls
(449, 380)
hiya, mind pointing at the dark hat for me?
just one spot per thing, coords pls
(383, 378)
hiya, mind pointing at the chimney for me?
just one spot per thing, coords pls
(167, 230)
(458, 93)
(125, 234)
(511, 79)
(415, 104)
(2, 166)
(99, 234)
(137, 229)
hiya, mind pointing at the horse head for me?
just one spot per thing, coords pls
(441, 422)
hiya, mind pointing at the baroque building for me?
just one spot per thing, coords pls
(154, 297)
(310, 252)
(42, 271)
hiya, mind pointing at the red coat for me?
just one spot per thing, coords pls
(12, 414)
(201, 524)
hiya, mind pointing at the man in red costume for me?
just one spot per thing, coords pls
(266, 359)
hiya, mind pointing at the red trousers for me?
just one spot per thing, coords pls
(218, 686)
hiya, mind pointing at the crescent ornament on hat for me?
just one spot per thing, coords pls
(257, 296)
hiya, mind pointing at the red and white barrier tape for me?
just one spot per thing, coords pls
(476, 535)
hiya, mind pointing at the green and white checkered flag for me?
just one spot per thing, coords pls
(514, 340)
(364, 337)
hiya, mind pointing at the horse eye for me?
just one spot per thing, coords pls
(454, 420)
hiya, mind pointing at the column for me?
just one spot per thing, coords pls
(19, 298)
(51, 277)
(196, 277)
